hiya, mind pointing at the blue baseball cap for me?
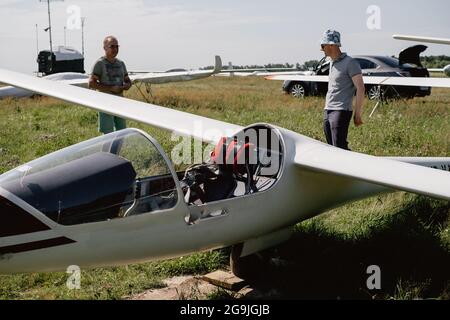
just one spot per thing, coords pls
(331, 37)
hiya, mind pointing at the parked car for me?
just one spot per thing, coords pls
(407, 65)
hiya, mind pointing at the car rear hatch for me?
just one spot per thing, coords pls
(411, 55)
(409, 59)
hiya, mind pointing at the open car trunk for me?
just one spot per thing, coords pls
(412, 55)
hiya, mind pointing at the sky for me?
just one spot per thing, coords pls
(158, 35)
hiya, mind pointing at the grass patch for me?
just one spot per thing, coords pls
(329, 255)
(108, 283)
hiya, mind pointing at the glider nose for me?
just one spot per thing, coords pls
(447, 70)
(22, 235)
(17, 221)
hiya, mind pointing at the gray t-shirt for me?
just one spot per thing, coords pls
(111, 74)
(340, 85)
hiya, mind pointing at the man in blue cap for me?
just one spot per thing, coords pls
(345, 78)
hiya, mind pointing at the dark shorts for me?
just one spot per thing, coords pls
(335, 126)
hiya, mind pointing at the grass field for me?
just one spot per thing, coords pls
(408, 236)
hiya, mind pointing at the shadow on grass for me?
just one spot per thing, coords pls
(414, 262)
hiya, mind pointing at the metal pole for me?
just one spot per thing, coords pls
(50, 27)
(37, 41)
(82, 36)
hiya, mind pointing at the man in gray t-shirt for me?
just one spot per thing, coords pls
(110, 75)
(345, 78)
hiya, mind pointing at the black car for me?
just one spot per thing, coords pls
(407, 65)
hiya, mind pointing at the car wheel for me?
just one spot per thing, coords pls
(375, 93)
(298, 90)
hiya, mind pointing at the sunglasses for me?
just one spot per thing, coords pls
(113, 46)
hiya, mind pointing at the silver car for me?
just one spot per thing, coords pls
(407, 65)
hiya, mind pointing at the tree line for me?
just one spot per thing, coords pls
(435, 61)
(427, 61)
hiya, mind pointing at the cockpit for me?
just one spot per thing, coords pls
(113, 176)
(126, 173)
(245, 163)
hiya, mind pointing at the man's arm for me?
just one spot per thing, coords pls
(94, 83)
(359, 84)
(126, 82)
(126, 78)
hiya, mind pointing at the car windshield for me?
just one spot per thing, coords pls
(390, 61)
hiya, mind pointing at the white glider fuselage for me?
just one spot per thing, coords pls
(297, 195)
(166, 234)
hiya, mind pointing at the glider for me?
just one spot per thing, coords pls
(247, 72)
(397, 81)
(174, 76)
(117, 199)
(81, 80)
(261, 73)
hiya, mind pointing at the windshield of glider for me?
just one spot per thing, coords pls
(113, 176)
